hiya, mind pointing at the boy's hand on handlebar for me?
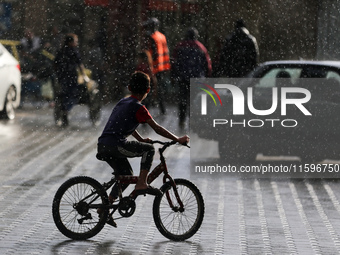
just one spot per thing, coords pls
(184, 139)
(147, 140)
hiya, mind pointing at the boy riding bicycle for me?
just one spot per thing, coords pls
(113, 146)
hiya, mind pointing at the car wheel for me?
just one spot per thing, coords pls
(9, 107)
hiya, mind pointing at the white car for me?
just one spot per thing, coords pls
(10, 84)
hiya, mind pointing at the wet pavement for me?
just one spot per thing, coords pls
(242, 216)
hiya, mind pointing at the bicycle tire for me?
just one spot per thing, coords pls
(66, 216)
(179, 226)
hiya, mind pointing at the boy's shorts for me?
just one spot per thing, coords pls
(116, 156)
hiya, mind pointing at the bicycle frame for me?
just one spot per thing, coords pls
(128, 179)
(160, 168)
(81, 206)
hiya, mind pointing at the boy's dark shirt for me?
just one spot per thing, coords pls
(125, 118)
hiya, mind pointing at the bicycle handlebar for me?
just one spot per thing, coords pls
(167, 144)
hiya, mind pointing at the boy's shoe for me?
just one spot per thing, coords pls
(111, 222)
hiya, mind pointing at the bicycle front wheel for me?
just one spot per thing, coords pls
(173, 221)
(75, 207)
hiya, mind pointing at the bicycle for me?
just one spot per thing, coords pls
(178, 213)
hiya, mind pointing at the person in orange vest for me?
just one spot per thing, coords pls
(158, 47)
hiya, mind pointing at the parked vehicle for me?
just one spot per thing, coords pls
(304, 127)
(10, 84)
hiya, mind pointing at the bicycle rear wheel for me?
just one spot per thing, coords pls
(174, 222)
(75, 206)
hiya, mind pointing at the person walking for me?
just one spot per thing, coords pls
(158, 48)
(67, 63)
(30, 42)
(240, 53)
(191, 60)
(30, 45)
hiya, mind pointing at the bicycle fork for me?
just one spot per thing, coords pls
(162, 167)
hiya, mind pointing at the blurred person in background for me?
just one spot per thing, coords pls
(67, 63)
(30, 45)
(240, 53)
(191, 60)
(30, 42)
(97, 64)
(158, 48)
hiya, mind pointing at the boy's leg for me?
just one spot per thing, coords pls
(130, 149)
(121, 166)
(141, 184)
(144, 150)
(142, 187)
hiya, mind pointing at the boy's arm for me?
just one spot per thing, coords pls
(139, 138)
(165, 133)
(136, 135)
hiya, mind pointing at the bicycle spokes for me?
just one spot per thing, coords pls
(77, 193)
(74, 211)
(176, 221)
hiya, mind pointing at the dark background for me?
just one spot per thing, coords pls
(306, 29)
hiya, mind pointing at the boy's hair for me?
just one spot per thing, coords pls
(139, 83)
